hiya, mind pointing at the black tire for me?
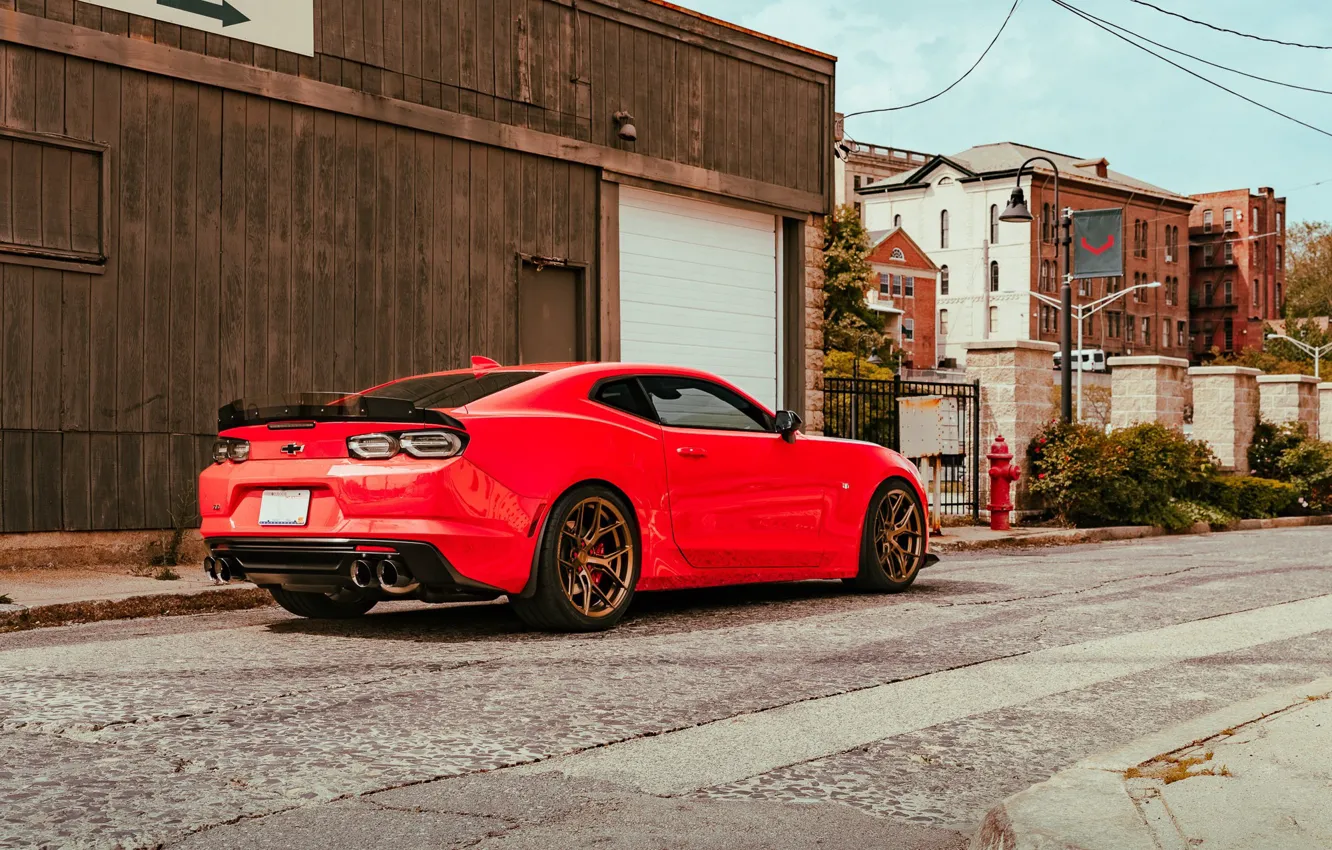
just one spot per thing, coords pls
(346, 605)
(891, 565)
(574, 594)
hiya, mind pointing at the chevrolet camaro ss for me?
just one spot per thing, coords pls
(566, 488)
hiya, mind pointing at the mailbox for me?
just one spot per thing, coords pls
(930, 426)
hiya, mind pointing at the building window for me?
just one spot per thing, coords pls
(1256, 223)
(1130, 330)
(1043, 284)
(943, 280)
(1228, 328)
(1207, 221)
(994, 224)
(860, 211)
(908, 286)
(1207, 294)
(1278, 224)
(897, 220)
(943, 229)
(908, 330)
(1281, 258)
(897, 256)
(1179, 336)
(1146, 330)
(1165, 332)
(1137, 237)
(1046, 224)
(885, 285)
(1209, 254)
(1208, 330)
(1229, 252)
(856, 182)
(943, 323)
(1229, 289)
(1255, 292)
(1278, 296)
(1146, 239)
(1169, 244)
(994, 319)
(1228, 218)
(897, 284)
(994, 275)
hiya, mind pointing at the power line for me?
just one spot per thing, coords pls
(1205, 61)
(954, 83)
(1232, 32)
(1189, 71)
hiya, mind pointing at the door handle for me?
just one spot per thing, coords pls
(691, 451)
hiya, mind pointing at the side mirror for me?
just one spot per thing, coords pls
(788, 422)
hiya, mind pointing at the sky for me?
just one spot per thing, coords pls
(1057, 82)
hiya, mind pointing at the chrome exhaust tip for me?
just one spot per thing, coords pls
(210, 568)
(362, 575)
(394, 577)
(225, 570)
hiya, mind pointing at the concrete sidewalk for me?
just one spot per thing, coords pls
(1252, 776)
(42, 587)
(975, 538)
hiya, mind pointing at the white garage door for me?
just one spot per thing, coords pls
(698, 288)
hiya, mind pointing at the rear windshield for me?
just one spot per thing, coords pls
(452, 390)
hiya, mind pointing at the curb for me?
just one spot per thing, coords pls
(1088, 806)
(230, 598)
(1074, 537)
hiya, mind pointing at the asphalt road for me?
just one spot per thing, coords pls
(778, 716)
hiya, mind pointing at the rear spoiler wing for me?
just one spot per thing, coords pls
(328, 407)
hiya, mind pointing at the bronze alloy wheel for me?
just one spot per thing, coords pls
(595, 555)
(899, 536)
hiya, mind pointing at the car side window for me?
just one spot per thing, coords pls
(694, 403)
(625, 395)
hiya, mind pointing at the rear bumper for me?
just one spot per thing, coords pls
(323, 564)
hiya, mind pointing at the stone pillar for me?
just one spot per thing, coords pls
(813, 413)
(1147, 389)
(1225, 409)
(1325, 412)
(1289, 398)
(1015, 398)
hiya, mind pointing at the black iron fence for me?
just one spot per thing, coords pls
(861, 409)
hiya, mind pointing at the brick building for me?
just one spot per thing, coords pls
(907, 280)
(1237, 260)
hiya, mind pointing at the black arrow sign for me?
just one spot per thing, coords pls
(226, 13)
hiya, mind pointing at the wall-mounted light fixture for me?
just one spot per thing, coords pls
(625, 124)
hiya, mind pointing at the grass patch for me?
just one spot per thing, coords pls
(167, 574)
(138, 606)
(1170, 769)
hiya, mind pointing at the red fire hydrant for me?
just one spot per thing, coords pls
(1003, 473)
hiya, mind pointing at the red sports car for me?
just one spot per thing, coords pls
(566, 487)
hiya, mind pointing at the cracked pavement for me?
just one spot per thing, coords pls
(453, 727)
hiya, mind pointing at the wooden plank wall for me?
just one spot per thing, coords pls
(256, 247)
(545, 65)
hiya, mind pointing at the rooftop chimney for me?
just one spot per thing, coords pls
(1101, 165)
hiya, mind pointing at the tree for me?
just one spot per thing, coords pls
(1309, 275)
(848, 322)
(1278, 357)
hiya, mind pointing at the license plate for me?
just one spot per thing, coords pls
(284, 508)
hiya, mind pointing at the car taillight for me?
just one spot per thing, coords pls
(372, 446)
(419, 444)
(431, 444)
(236, 451)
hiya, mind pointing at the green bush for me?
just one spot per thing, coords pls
(1248, 497)
(1203, 512)
(1308, 466)
(1135, 476)
(1270, 442)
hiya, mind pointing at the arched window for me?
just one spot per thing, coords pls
(994, 275)
(943, 280)
(1045, 223)
(943, 229)
(1278, 224)
(897, 255)
(1256, 287)
(945, 181)
(994, 224)
(1044, 284)
(1281, 257)
(897, 221)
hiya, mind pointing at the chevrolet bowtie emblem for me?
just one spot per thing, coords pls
(292, 449)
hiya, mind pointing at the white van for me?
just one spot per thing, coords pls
(1093, 360)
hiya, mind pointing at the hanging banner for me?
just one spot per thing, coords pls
(1098, 243)
(283, 24)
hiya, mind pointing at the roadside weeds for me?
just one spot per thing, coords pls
(136, 607)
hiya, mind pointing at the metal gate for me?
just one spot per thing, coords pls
(861, 409)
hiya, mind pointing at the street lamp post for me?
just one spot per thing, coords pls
(1017, 211)
(1082, 311)
(1316, 352)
